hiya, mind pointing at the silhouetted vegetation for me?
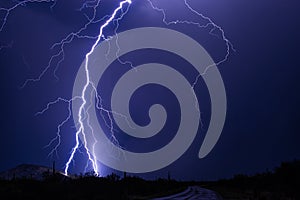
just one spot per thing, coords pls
(282, 183)
(86, 187)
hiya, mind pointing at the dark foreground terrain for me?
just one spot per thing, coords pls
(282, 183)
(88, 188)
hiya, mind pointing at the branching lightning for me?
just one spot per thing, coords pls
(83, 117)
(57, 138)
(81, 128)
(7, 11)
(60, 55)
(6, 46)
(209, 23)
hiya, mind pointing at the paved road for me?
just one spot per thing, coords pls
(193, 192)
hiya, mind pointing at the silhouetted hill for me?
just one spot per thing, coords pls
(28, 171)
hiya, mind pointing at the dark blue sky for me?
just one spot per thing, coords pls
(261, 80)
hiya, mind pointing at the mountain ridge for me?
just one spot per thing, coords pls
(29, 171)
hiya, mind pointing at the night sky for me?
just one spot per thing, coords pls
(260, 77)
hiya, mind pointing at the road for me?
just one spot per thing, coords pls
(193, 192)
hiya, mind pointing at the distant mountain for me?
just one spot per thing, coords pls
(28, 171)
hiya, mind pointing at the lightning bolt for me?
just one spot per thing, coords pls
(210, 23)
(57, 138)
(7, 11)
(229, 45)
(7, 46)
(83, 117)
(60, 55)
(83, 113)
(81, 128)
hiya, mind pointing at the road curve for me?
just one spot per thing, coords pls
(193, 192)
